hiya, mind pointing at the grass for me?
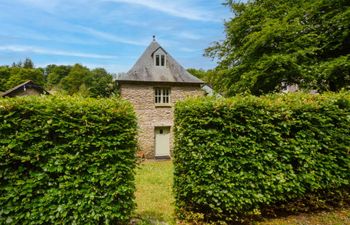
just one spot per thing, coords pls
(154, 198)
(337, 217)
(155, 202)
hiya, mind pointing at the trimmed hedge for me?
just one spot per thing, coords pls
(66, 160)
(240, 158)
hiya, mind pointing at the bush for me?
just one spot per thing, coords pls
(247, 156)
(66, 160)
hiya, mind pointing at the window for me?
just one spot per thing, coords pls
(159, 60)
(162, 61)
(162, 96)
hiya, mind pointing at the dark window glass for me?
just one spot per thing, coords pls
(157, 60)
(162, 61)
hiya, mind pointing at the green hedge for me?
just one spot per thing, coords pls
(66, 160)
(247, 156)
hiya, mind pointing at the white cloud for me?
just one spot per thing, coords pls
(44, 51)
(110, 37)
(184, 49)
(189, 35)
(173, 8)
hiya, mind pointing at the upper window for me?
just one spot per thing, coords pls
(162, 96)
(159, 60)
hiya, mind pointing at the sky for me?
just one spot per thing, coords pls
(111, 34)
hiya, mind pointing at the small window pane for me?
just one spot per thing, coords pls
(162, 60)
(157, 60)
(162, 95)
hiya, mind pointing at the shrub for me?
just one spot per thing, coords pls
(242, 157)
(66, 160)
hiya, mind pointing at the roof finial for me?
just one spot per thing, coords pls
(154, 37)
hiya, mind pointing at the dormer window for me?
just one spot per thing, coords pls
(160, 60)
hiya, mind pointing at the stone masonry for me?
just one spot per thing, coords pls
(149, 115)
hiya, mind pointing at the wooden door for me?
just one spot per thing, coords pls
(162, 141)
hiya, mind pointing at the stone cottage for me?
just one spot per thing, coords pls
(153, 85)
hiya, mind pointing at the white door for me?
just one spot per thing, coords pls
(162, 141)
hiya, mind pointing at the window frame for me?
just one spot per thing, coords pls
(160, 59)
(162, 96)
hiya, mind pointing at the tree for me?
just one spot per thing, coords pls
(102, 84)
(55, 74)
(95, 83)
(199, 73)
(20, 75)
(5, 73)
(28, 63)
(77, 76)
(293, 41)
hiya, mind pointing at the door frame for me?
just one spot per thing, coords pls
(155, 142)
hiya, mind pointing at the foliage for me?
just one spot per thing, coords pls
(78, 76)
(28, 64)
(66, 160)
(21, 75)
(241, 157)
(5, 73)
(273, 41)
(200, 73)
(75, 79)
(55, 74)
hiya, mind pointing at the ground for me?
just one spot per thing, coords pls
(155, 202)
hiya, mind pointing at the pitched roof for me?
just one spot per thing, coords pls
(144, 69)
(27, 84)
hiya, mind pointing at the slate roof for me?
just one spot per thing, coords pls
(28, 84)
(144, 69)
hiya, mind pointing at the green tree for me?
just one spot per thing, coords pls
(199, 73)
(78, 76)
(5, 73)
(55, 74)
(102, 83)
(294, 41)
(20, 75)
(28, 63)
(88, 83)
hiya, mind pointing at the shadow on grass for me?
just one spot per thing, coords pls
(152, 218)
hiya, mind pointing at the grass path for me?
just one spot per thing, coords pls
(155, 201)
(154, 197)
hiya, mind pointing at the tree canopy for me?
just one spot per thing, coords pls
(75, 79)
(291, 41)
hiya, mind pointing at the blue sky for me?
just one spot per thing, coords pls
(108, 33)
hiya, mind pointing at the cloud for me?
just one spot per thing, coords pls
(44, 51)
(110, 37)
(172, 8)
(189, 35)
(184, 49)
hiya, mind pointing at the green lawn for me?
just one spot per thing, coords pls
(154, 197)
(155, 201)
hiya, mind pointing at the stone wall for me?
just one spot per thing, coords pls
(151, 116)
(28, 91)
